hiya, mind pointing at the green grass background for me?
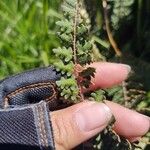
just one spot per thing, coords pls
(27, 34)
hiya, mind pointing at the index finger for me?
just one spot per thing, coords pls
(109, 74)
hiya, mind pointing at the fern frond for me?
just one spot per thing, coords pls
(120, 10)
(74, 33)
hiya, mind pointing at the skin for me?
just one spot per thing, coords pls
(129, 123)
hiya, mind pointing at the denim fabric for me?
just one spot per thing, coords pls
(25, 102)
(26, 128)
(29, 87)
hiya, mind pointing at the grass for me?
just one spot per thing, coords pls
(27, 34)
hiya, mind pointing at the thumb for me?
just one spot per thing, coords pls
(76, 124)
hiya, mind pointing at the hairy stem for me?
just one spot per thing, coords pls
(75, 48)
(75, 32)
(125, 93)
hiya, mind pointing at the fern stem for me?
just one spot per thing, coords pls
(76, 17)
(125, 93)
(75, 32)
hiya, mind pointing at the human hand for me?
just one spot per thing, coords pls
(78, 123)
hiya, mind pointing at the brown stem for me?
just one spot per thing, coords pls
(75, 48)
(75, 33)
(125, 93)
(109, 33)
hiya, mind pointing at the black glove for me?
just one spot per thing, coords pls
(30, 87)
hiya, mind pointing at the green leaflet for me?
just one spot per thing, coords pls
(64, 69)
(64, 83)
(98, 95)
(82, 29)
(68, 9)
(65, 25)
(71, 3)
(65, 37)
(64, 53)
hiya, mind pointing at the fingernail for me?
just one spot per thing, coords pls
(127, 67)
(93, 116)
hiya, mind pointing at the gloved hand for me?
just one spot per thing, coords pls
(25, 102)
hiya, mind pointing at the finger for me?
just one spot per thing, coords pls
(134, 139)
(109, 74)
(129, 124)
(78, 123)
